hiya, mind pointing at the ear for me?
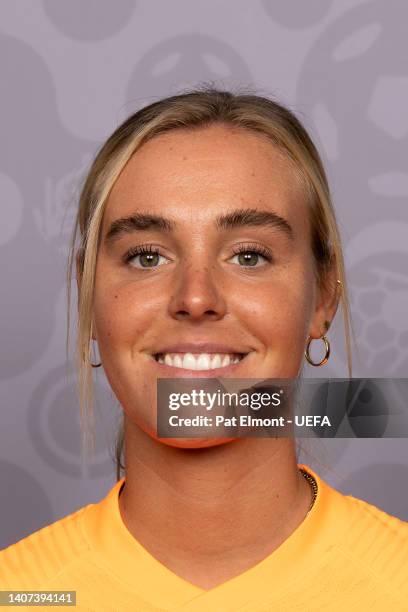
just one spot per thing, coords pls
(327, 301)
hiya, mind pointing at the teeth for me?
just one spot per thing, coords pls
(216, 362)
(225, 361)
(189, 362)
(177, 361)
(204, 361)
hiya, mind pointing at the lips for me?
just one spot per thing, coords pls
(200, 347)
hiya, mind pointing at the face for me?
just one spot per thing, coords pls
(211, 275)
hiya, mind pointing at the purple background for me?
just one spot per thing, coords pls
(70, 72)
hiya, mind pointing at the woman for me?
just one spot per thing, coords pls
(209, 247)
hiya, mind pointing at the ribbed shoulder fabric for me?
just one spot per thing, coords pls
(346, 555)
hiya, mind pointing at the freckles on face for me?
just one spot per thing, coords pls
(123, 311)
(279, 319)
(192, 282)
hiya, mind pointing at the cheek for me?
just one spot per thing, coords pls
(279, 317)
(121, 319)
(121, 315)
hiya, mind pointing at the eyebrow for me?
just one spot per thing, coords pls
(254, 217)
(237, 218)
(137, 222)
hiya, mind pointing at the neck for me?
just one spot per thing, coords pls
(233, 503)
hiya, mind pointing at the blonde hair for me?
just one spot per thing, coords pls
(189, 110)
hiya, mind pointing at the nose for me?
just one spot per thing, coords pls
(198, 295)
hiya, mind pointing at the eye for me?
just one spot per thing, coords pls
(144, 257)
(252, 256)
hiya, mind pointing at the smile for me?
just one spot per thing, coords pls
(199, 361)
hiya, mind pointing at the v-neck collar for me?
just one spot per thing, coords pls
(122, 555)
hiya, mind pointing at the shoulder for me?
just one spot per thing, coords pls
(363, 549)
(376, 542)
(37, 558)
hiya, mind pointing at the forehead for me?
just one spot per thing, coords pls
(198, 173)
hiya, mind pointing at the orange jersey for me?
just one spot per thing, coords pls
(346, 555)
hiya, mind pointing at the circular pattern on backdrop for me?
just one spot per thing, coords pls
(12, 209)
(25, 506)
(378, 285)
(38, 155)
(354, 81)
(89, 20)
(182, 62)
(354, 407)
(54, 425)
(379, 302)
(295, 14)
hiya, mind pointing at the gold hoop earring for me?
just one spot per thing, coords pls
(325, 358)
(95, 365)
